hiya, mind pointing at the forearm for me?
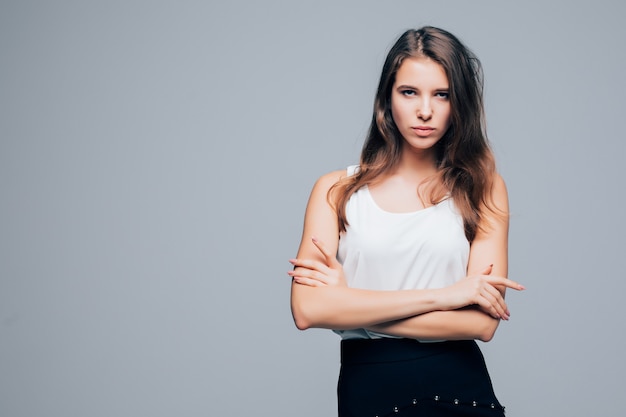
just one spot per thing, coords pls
(463, 324)
(349, 308)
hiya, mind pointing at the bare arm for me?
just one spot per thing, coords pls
(340, 307)
(489, 247)
(462, 324)
(314, 303)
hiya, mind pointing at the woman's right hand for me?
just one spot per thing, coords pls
(316, 273)
(481, 290)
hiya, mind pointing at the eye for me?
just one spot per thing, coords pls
(442, 94)
(408, 93)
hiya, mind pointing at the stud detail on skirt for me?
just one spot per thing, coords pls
(415, 402)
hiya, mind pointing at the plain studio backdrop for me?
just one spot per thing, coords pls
(155, 162)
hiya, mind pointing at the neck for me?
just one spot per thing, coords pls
(417, 164)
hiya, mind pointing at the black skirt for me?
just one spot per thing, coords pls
(404, 377)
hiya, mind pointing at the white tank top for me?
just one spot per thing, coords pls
(381, 250)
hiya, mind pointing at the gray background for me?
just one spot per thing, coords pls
(156, 158)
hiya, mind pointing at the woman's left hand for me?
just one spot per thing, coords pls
(316, 273)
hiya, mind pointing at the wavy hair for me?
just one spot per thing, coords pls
(465, 162)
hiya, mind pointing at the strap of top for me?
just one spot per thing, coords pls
(353, 169)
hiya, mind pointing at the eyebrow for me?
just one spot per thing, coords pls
(406, 86)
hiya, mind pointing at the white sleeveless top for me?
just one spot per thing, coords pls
(381, 250)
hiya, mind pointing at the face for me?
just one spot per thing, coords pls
(420, 104)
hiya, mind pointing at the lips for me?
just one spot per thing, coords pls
(423, 130)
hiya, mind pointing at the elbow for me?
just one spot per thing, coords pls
(486, 336)
(308, 317)
(306, 310)
(488, 331)
(300, 318)
(301, 321)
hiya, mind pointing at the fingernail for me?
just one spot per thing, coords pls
(292, 261)
(314, 239)
(521, 287)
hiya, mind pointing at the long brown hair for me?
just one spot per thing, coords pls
(465, 163)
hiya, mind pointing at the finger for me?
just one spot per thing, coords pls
(304, 273)
(489, 311)
(504, 281)
(309, 274)
(487, 307)
(487, 270)
(310, 264)
(492, 302)
(308, 282)
(331, 258)
(498, 300)
(491, 306)
(493, 294)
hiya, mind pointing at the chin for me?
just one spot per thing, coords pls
(422, 144)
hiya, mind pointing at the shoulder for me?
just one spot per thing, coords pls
(327, 181)
(331, 178)
(499, 194)
(495, 209)
(320, 218)
(328, 189)
(498, 183)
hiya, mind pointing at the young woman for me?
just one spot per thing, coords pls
(405, 255)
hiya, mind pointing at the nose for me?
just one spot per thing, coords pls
(424, 110)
